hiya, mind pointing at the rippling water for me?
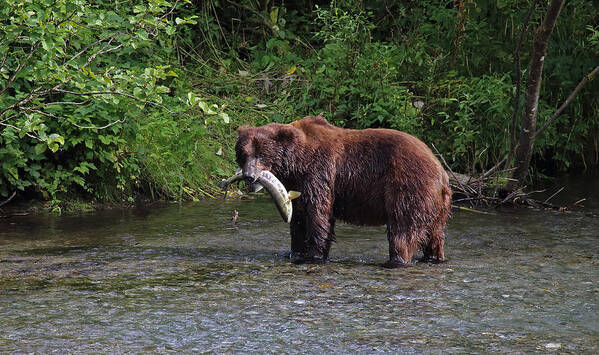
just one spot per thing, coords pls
(183, 278)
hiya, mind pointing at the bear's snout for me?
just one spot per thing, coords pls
(251, 172)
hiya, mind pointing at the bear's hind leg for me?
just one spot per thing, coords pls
(433, 248)
(403, 243)
(330, 238)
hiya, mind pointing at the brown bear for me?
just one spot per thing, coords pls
(362, 177)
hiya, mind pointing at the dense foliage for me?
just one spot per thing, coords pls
(111, 100)
(93, 103)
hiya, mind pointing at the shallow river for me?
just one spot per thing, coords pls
(182, 278)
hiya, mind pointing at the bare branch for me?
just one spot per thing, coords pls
(67, 103)
(92, 93)
(552, 196)
(73, 123)
(112, 49)
(93, 56)
(19, 129)
(168, 13)
(30, 97)
(488, 172)
(8, 118)
(582, 82)
(96, 127)
(475, 199)
(451, 171)
(111, 36)
(21, 66)
(8, 199)
(35, 94)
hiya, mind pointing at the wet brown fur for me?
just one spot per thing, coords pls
(363, 177)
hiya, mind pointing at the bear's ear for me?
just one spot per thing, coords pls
(242, 129)
(285, 134)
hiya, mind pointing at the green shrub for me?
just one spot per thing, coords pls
(74, 79)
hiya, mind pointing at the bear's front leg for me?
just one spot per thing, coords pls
(312, 232)
(313, 248)
(312, 236)
(299, 239)
(319, 234)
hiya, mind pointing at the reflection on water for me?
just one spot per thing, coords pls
(183, 278)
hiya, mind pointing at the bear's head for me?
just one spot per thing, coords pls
(268, 147)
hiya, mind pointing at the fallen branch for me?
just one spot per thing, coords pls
(476, 192)
(552, 196)
(451, 171)
(470, 209)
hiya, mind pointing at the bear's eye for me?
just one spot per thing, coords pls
(258, 149)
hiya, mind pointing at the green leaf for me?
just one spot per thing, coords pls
(142, 34)
(14, 172)
(53, 147)
(224, 116)
(78, 180)
(81, 169)
(105, 139)
(203, 106)
(191, 98)
(274, 15)
(40, 148)
(55, 138)
(161, 89)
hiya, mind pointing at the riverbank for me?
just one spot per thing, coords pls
(562, 192)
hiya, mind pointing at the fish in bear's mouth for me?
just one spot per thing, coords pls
(275, 188)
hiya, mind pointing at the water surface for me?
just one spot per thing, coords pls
(182, 278)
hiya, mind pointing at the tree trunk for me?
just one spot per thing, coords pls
(518, 83)
(460, 5)
(531, 96)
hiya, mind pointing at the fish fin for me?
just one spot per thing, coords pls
(294, 194)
